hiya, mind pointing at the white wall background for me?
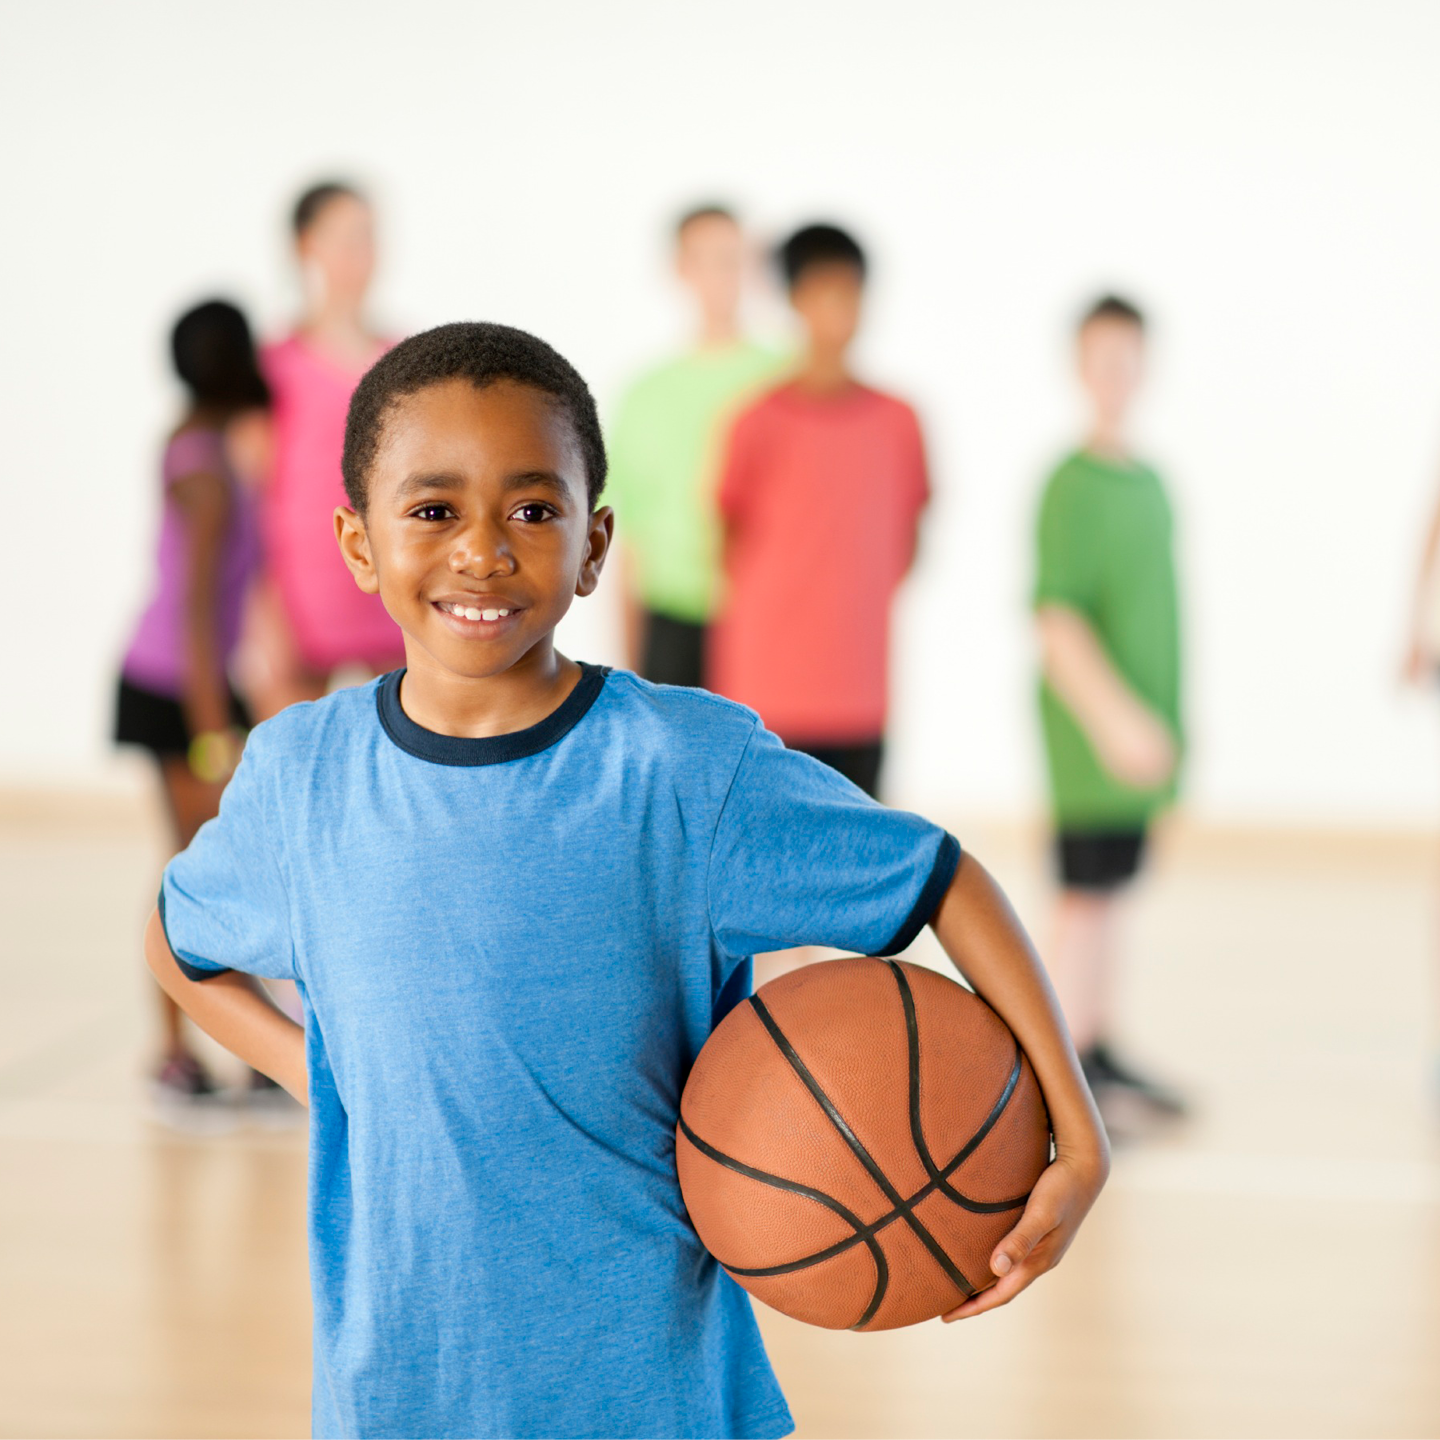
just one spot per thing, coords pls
(1264, 176)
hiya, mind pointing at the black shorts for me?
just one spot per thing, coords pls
(157, 722)
(859, 763)
(674, 652)
(1099, 859)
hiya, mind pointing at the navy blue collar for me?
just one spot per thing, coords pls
(487, 749)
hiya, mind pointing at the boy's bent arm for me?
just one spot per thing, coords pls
(233, 1009)
(1131, 741)
(988, 945)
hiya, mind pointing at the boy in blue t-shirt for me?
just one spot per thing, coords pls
(516, 894)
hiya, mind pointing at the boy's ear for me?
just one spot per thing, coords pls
(597, 547)
(354, 543)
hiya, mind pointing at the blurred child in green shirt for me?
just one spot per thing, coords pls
(1108, 618)
(664, 443)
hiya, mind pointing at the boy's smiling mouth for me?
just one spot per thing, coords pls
(472, 615)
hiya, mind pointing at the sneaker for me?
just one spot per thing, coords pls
(187, 1099)
(183, 1077)
(1103, 1071)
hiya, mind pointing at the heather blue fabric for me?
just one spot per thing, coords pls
(510, 952)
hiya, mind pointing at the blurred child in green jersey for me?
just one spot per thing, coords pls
(1108, 617)
(663, 445)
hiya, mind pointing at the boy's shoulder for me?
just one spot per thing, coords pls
(678, 712)
(299, 729)
(691, 743)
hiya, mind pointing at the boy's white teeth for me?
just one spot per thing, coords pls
(470, 612)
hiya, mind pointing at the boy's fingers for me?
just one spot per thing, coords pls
(1041, 1258)
(1035, 1224)
(1002, 1292)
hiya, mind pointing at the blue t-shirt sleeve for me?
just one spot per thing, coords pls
(803, 857)
(223, 901)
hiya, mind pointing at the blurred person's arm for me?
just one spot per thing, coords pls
(233, 1009)
(1420, 653)
(988, 946)
(917, 469)
(1132, 742)
(204, 503)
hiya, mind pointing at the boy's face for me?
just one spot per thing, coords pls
(827, 299)
(476, 506)
(1111, 358)
(710, 261)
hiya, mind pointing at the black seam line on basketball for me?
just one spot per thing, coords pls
(877, 1253)
(980, 1207)
(862, 1232)
(917, 1131)
(985, 1207)
(937, 1251)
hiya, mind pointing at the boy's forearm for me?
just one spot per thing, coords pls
(233, 1009)
(988, 945)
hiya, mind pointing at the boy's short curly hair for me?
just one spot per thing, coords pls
(482, 353)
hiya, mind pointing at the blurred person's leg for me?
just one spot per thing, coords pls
(1079, 959)
(1096, 867)
(190, 802)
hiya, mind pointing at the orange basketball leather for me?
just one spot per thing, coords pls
(856, 1138)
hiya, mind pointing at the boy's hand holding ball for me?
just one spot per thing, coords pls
(1061, 1199)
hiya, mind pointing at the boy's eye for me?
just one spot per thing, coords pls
(435, 511)
(534, 512)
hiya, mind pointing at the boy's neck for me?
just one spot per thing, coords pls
(824, 373)
(474, 708)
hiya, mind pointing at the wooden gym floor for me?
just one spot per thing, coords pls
(1273, 1269)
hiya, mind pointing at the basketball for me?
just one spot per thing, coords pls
(856, 1138)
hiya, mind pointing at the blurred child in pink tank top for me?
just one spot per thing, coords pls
(309, 620)
(175, 699)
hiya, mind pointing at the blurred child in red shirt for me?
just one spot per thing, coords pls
(821, 493)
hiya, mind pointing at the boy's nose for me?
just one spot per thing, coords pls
(481, 549)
